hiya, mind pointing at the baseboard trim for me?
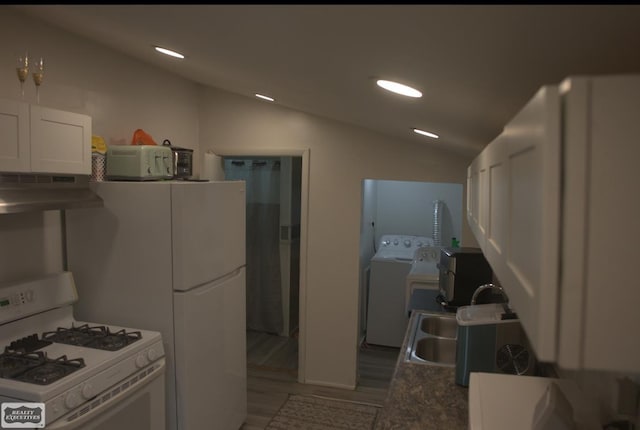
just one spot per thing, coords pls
(331, 384)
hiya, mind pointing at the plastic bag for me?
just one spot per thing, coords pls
(98, 145)
(140, 137)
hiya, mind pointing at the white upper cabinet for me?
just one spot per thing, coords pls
(600, 292)
(545, 202)
(531, 157)
(14, 137)
(518, 214)
(475, 174)
(37, 139)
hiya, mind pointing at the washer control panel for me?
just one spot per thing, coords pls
(427, 254)
(401, 246)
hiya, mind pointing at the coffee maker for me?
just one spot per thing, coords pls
(462, 271)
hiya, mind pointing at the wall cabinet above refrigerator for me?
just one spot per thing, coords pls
(37, 139)
(552, 204)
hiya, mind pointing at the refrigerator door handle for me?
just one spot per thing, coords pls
(213, 283)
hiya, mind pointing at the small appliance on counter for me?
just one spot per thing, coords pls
(462, 271)
(139, 162)
(182, 161)
(491, 339)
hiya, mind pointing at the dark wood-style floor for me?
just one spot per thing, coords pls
(272, 375)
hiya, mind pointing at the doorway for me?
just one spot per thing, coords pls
(273, 195)
(427, 209)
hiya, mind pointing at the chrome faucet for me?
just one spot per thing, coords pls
(481, 288)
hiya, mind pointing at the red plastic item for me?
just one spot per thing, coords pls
(140, 137)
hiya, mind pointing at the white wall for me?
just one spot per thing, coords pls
(367, 239)
(341, 157)
(119, 93)
(407, 208)
(30, 245)
(122, 94)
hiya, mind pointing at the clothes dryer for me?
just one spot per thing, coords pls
(386, 310)
(422, 282)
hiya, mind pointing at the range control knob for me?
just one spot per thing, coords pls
(87, 391)
(56, 405)
(395, 241)
(152, 354)
(141, 361)
(407, 243)
(72, 400)
(419, 244)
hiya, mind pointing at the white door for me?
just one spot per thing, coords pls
(208, 231)
(210, 350)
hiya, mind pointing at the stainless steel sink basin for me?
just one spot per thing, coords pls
(436, 349)
(432, 339)
(439, 326)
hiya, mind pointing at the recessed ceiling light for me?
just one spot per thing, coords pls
(398, 88)
(169, 52)
(260, 96)
(425, 133)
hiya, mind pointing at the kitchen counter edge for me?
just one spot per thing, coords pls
(423, 396)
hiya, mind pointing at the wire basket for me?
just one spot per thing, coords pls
(98, 167)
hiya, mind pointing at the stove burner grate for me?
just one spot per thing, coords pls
(36, 367)
(97, 337)
(14, 363)
(28, 344)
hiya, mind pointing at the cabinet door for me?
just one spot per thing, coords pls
(60, 141)
(14, 136)
(601, 209)
(525, 199)
(495, 203)
(476, 198)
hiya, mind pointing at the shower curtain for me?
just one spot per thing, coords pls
(264, 296)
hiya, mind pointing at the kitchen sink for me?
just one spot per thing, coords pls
(440, 326)
(436, 349)
(432, 339)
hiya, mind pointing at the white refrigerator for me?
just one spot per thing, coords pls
(170, 256)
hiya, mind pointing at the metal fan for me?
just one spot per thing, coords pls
(513, 359)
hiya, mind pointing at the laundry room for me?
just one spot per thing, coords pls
(427, 213)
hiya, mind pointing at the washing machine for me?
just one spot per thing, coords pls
(422, 282)
(386, 308)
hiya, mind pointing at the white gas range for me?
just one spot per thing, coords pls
(87, 375)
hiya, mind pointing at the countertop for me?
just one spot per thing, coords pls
(423, 396)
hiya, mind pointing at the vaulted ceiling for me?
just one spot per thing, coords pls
(476, 65)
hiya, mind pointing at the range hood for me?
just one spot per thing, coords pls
(31, 193)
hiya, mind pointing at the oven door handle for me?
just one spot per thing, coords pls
(62, 423)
